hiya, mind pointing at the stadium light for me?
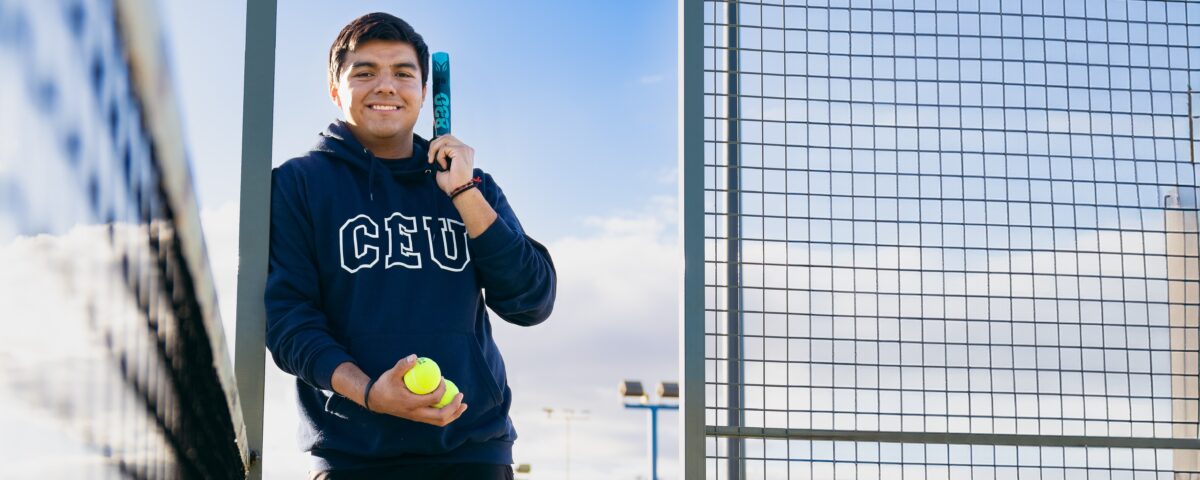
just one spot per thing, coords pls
(668, 390)
(632, 389)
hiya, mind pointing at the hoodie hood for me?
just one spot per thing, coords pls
(340, 144)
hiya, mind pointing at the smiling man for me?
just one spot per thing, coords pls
(386, 247)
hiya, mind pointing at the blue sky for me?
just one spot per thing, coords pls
(571, 106)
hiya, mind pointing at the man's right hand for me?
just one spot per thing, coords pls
(389, 395)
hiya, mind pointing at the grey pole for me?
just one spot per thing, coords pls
(691, 197)
(258, 100)
(733, 244)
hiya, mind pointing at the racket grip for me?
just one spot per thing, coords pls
(441, 94)
(441, 97)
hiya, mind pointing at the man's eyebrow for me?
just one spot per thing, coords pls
(370, 64)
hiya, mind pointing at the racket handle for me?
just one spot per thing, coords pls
(441, 94)
(441, 98)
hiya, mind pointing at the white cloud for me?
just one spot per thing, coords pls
(282, 457)
(70, 312)
(668, 175)
(221, 239)
(651, 79)
(615, 318)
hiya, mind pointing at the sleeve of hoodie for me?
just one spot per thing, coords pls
(516, 272)
(298, 334)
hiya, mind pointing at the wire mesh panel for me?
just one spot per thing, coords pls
(803, 459)
(949, 239)
(111, 356)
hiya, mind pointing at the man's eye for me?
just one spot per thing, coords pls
(362, 74)
(404, 74)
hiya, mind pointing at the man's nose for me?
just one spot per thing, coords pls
(387, 84)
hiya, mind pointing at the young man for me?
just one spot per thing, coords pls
(385, 247)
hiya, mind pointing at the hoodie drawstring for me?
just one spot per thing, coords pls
(338, 142)
(371, 175)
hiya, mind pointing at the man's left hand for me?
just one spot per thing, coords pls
(447, 150)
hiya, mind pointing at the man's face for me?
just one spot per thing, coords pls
(379, 91)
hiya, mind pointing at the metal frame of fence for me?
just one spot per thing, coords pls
(713, 329)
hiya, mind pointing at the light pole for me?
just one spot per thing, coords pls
(632, 389)
(567, 415)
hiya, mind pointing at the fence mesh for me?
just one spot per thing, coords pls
(963, 221)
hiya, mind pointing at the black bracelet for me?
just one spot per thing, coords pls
(367, 394)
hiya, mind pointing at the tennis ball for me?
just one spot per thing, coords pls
(451, 391)
(424, 376)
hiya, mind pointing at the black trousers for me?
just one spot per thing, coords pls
(433, 471)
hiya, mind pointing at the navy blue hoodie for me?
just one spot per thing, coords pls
(370, 263)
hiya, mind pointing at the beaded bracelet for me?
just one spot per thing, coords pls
(458, 191)
(467, 186)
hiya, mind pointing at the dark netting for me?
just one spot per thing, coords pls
(112, 351)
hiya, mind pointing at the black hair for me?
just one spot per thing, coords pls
(376, 26)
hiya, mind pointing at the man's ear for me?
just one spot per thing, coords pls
(333, 95)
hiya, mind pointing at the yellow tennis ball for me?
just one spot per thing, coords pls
(451, 391)
(424, 376)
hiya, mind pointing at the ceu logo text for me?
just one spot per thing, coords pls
(361, 244)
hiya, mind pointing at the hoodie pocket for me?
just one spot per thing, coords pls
(379, 435)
